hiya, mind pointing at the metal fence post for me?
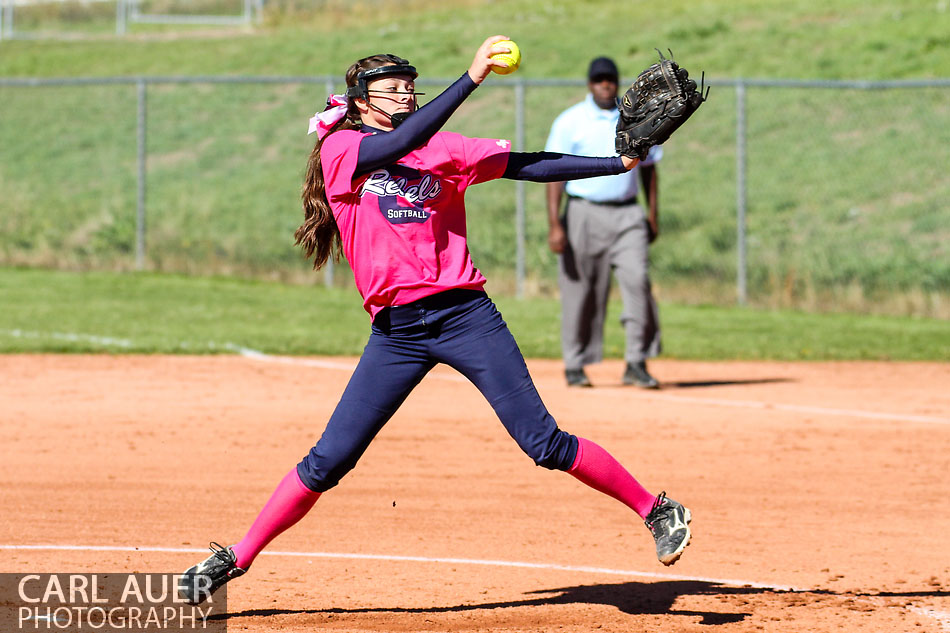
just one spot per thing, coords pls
(121, 8)
(740, 193)
(6, 28)
(140, 197)
(519, 193)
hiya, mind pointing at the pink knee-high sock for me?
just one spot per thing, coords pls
(289, 503)
(598, 469)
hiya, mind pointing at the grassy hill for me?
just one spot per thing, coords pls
(847, 189)
(838, 39)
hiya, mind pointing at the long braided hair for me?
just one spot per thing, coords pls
(319, 235)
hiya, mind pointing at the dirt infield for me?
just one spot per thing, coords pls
(819, 493)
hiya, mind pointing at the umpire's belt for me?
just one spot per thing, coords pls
(607, 203)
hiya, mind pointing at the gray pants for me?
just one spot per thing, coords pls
(602, 238)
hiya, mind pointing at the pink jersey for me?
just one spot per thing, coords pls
(403, 226)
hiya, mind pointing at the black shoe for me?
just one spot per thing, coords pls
(198, 583)
(576, 378)
(636, 374)
(669, 523)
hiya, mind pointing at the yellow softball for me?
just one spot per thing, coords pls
(513, 59)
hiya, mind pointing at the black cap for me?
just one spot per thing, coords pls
(603, 67)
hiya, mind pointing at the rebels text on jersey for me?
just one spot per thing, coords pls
(402, 193)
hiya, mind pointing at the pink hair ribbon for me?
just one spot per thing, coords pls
(321, 122)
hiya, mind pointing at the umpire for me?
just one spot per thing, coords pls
(603, 229)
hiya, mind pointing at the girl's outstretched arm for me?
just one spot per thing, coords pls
(384, 148)
(555, 167)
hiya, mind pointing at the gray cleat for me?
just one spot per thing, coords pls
(669, 523)
(198, 583)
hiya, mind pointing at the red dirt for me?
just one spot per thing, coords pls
(829, 478)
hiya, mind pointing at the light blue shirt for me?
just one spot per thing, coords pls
(586, 129)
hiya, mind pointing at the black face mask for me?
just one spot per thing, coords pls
(398, 118)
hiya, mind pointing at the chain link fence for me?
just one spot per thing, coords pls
(812, 195)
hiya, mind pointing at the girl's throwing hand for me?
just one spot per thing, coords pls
(482, 64)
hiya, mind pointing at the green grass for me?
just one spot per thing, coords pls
(846, 188)
(55, 311)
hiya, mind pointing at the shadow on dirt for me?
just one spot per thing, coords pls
(635, 598)
(722, 383)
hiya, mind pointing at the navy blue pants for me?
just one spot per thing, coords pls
(463, 329)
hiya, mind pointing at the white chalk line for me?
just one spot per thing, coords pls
(942, 617)
(747, 404)
(422, 559)
(349, 366)
(105, 341)
(110, 341)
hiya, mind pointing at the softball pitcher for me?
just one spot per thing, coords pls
(387, 187)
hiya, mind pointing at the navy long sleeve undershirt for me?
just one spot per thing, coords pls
(385, 148)
(554, 167)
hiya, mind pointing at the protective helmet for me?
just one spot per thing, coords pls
(399, 66)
